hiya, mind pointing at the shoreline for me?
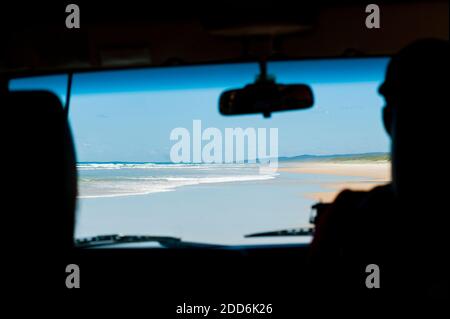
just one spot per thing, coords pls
(369, 174)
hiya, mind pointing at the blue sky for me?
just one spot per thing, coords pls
(128, 115)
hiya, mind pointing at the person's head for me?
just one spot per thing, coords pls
(415, 91)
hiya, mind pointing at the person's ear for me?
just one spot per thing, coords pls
(387, 119)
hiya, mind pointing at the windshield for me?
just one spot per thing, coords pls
(155, 157)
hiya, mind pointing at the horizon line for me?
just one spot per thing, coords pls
(279, 157)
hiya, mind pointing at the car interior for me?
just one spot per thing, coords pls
(89, 115)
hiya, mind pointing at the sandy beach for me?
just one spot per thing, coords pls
(368, 175)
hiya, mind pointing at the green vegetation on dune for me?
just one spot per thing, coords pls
(340, 158)
(362, 158)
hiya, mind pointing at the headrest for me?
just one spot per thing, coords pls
(40, 169)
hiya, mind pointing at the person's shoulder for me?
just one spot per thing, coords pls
(334, 213)
(355, 199)
(380, 195)
(349, 203)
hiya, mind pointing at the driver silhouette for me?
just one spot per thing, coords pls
(400, 227)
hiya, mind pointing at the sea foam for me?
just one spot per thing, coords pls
(95, 181)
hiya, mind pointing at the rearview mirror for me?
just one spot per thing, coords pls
(265, 96)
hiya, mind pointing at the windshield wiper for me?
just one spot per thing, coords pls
(115, 239)
(301, 231)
